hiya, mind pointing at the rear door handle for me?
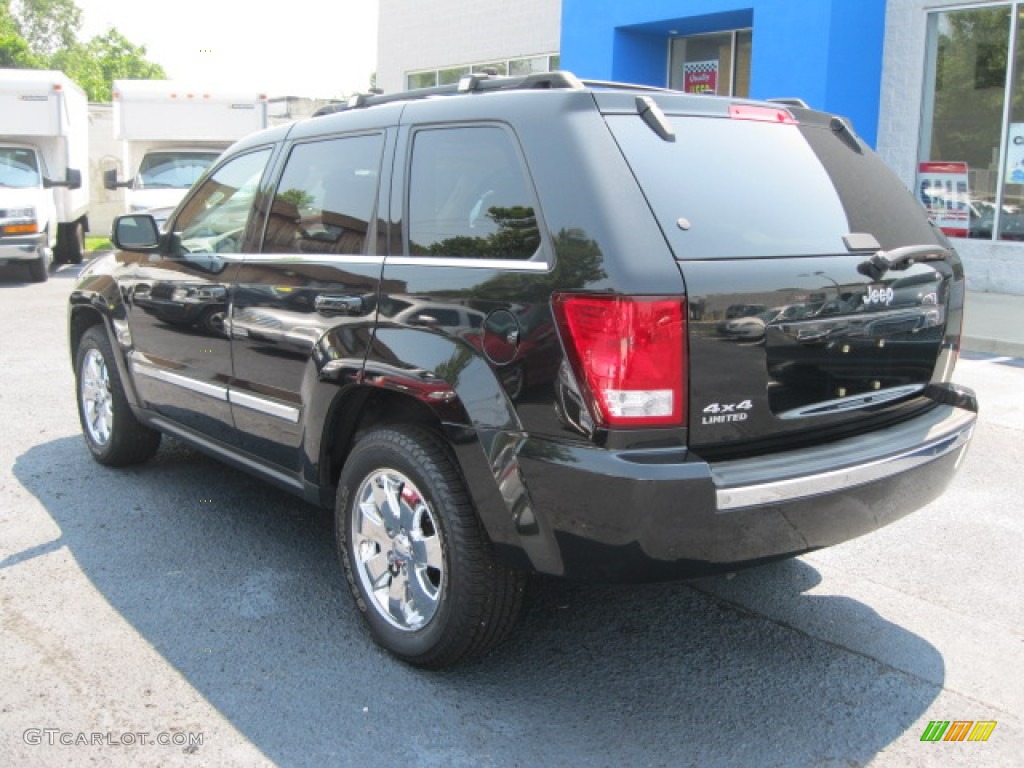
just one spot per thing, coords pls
(327, 304)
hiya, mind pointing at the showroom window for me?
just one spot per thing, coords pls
(715, 64)
(971, 164)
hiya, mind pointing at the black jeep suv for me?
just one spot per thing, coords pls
(482, 325)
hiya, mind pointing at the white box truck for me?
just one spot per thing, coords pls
(44, 162)
(171, 133)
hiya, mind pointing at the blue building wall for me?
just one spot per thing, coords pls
(827, 52)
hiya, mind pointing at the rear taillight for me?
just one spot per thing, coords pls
(629, 356)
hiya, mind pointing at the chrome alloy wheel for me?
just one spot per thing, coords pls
(397, 547)
(97, 404)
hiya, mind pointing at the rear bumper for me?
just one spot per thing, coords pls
(666, 514)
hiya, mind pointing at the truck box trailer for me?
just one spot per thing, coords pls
(171, 133)
(44, 149)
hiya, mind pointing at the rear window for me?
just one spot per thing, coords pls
(741, 189)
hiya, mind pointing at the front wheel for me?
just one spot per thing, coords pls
(39, 269)
(421, 569)
(114, 436)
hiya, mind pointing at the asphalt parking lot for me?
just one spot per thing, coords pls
(184, 602)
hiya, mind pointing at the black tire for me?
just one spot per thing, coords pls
(114, 436)
(70, 242)
(476, 598)
(39, 269)
(213, 321)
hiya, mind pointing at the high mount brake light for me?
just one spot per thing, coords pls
(629, 356)
(761, 114)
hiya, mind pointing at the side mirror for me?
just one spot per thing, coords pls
(111, 182)
(72, 180)
(136, 232)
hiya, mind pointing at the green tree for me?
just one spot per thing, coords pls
(42, 34)
(47, 25)
(105, 58)
(15, 52)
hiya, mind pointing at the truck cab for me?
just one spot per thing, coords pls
(26, 206)
(43, 147)
(170, 134)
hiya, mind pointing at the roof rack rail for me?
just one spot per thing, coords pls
(477, 82)
(614, 86)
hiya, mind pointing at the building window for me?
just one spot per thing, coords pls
(497, 67)
(421, 80)
(451, 75)
(716, 64)
(517, 67)
(971, 170)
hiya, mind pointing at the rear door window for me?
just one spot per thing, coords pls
(469, 195)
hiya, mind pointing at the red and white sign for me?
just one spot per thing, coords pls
(944, 190)
(700, 76)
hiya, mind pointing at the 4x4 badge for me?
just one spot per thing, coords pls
(724, 413)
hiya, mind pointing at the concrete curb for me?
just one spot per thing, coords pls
(988, 346)
(994, 324)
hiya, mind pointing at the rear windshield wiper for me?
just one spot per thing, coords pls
(876, 265)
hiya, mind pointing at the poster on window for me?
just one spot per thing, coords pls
(700, 76)
(944, 190)
(1015, 154)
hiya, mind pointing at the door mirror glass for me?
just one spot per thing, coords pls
(135, 232)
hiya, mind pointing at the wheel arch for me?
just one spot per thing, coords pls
(80, 319)
(99, 302)
(368, 406)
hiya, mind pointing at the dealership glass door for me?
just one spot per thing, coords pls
(717, 63)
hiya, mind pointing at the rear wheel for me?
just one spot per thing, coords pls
(114, 436)
(71, 242)
(419, 564)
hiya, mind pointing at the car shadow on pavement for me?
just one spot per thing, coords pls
(237, 586)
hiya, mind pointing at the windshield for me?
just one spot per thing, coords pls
(173, 170)
(18, 168)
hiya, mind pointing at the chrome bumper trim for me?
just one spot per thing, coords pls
(944, 433)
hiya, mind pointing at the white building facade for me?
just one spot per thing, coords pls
(425, 43)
